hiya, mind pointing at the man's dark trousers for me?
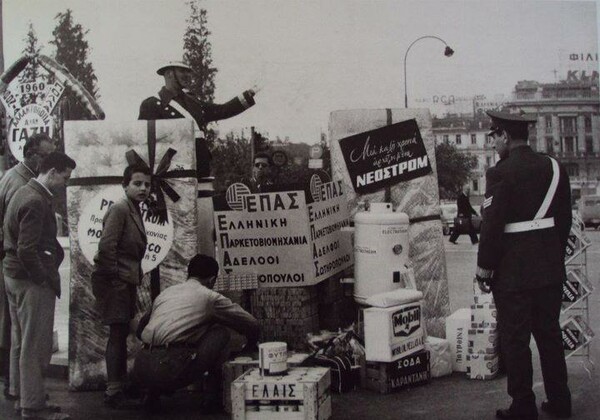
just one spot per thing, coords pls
(520, 314)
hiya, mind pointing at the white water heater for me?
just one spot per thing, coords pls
(380, 250)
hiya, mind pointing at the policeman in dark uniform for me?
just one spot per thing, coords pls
(173, 102)
(526, 222)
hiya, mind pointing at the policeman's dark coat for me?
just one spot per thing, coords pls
(159, 108)
(515, 190)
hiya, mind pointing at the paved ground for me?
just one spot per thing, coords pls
(452, 397)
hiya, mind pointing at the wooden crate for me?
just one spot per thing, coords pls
(302, 394)
(233, 369)
(386, 377)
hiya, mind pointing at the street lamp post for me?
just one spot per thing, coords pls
(447, 52)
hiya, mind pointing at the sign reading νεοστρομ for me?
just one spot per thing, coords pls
(385, 156)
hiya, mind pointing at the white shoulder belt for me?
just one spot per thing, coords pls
(185, 113)
(538, 221)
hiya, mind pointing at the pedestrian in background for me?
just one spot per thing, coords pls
(31, 263)
(521, 259)
(465, 212)
(117, 273)
(36, 148)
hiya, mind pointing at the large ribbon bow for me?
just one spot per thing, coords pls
(160, 186)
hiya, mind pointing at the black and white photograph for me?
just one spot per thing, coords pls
(308, 210)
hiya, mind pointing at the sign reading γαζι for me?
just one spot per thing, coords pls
(27, 121)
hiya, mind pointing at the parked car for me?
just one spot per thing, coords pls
(589, 210)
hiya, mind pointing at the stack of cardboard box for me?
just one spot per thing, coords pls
(483, 339)
(394, 347)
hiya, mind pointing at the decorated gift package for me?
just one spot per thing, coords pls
(101, 150)
(408, 173)
(394, 332)
(457, 334)
(483, 341)
(483, 316)
(482, 366)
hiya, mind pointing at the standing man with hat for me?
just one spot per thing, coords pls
(173, 102)
(526, 223)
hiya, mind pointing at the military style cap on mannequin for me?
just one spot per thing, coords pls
(173, 64)
(510, 122)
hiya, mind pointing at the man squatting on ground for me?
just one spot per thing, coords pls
(526, 223)
(37, 147)
(33, 256)
(185, 334)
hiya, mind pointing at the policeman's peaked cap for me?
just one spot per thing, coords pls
(171, 65)
(509, 122)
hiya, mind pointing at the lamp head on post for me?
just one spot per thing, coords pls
(448, 52)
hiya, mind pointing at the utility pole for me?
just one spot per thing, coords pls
(252, 147)
(2, 111)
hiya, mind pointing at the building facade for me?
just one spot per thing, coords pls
(568, 126)
(469, 135)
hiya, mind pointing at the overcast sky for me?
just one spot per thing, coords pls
(312, 57)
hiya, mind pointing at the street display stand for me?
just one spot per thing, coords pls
(100, 148)
(292, 247)
(417, 197)
(575, 313)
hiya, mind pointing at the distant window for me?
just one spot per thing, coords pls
(488, 161)
(549, 145)
(588, 124)
(548, 121)
(573, 169)
(569, 144)
(473, 138)
(458, 139)
(475, 185)
(445, 137)
(589, 144)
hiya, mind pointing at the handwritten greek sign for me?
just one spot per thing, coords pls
(10, 100)
(52, 94)
(89, 229)
(27, 121)
(385, 156)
